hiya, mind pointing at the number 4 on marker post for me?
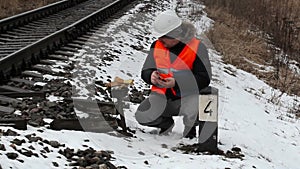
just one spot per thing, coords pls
(208, 107)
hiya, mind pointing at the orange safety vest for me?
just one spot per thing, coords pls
(184, 61)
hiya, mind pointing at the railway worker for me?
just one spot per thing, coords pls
(177, 67)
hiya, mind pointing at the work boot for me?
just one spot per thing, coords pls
(191, 133)
(166, 126)
(166, 130)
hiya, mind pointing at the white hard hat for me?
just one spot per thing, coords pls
(165, 23)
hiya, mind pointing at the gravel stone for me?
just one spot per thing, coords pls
(55, 164)
(18, 142)
(2, 147)
(10, 132)
(12, 156)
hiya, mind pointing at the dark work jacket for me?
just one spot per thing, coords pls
(187, 83)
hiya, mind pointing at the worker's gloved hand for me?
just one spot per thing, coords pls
(163, 83)
(167, 82)
(154, 77)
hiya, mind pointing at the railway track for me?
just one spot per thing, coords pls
(35, 52)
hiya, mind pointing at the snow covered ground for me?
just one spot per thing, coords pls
(267, 134)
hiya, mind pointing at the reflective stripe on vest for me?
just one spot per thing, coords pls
(184, 61)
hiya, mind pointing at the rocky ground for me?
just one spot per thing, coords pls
(86, 158)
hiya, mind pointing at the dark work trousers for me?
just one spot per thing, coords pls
(157, 111)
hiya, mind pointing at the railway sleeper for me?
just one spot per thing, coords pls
(12, 45)
(100, 117)
(37, 25)
(25, 29)
(43, 21)
(79, 42)
(31, 84)
(6, 52)
(64, 53)
(4, 39)
(57, 57)
(48, 62)
(6, 110)
(23, 81)
(18, 35)
(20, 124)
(89, 39)
(32, 74)
(56, 63)
(1, 56)
(30, 36)
(70, 49)
(28, 39)
(74, 45)
(7, 88)
(5, 48)
(97, 29)
(32, 27)
(107, 109)
(35, 94)
(5, 100)
(18, 43)
(93, 38)
(84, 39)
(22, 32)
(47, 69)
(87, 124)
(16, 31)
(6, 35)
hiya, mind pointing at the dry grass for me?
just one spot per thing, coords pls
(249, 51)
(231, 37)
(279, 18)
(13, 7)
